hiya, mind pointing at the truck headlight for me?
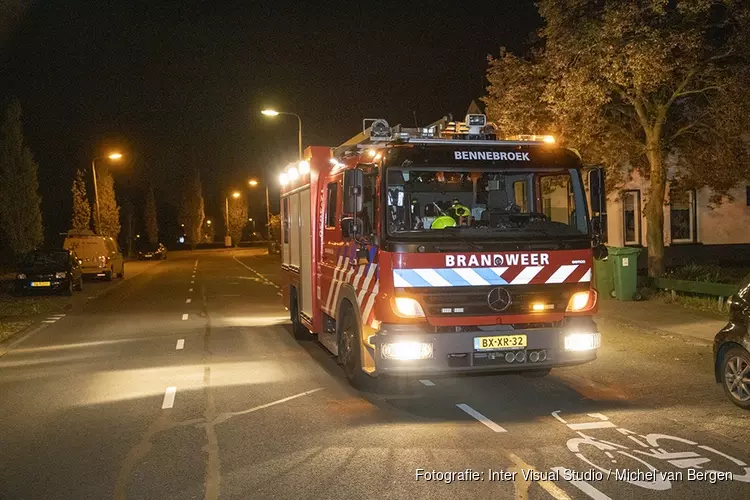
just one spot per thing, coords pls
(582, 301)
(406, 307)
(582, 341)
(407, 350)
(61, 276)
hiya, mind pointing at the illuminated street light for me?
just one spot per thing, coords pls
(113, 156)
(273, 112)
(252, 182)
(235, 195)
(208, 222)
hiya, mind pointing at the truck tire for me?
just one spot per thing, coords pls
(350, 355)
(299, 330)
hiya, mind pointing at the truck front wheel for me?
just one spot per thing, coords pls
(350, 348)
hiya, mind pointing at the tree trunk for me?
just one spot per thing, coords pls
(655, 210)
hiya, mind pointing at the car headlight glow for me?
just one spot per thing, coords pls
(20, 276)
(582, 341)
(407, 350)
(61, 275)
(407, 307)
(582, 301)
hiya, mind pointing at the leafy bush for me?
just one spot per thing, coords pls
(706, 273)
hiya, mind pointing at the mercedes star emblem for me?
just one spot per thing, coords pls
(499, 299)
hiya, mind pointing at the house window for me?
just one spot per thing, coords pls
(333, 189)
(631, 211)
(682, 216)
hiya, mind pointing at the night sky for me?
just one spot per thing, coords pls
(176, 84)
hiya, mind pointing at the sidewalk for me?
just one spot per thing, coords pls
(662, 317)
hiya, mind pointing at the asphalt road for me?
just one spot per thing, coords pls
(183, 381)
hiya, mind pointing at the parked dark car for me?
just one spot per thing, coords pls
(45, 271)
(152, 251)
(732, 349)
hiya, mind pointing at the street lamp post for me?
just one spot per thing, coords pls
(114, 157)
(273, 112)
(253, 183)
(235, 195)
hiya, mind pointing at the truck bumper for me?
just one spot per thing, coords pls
(454, 352)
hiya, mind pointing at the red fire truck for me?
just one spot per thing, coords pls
(439, 250)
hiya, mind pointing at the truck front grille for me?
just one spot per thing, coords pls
(472, 301)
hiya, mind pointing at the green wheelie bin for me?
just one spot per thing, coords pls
(625, 267)
(603, 279)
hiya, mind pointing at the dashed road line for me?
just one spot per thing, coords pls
(581, 485)
(169, 395)
(428, 383)
(262, 278)
(188, 301)
(190, 290)
(184, 317)
(56, 315)
(486, 421)
(180, 344)
(49, 321)
(192, 282)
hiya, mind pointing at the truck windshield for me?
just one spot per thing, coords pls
(450, 202)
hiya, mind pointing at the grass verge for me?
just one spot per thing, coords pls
(705, 305)
(17, 313)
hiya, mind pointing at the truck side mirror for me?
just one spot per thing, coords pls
(353, 182)
(600, 252)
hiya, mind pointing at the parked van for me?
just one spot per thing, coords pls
(100, 256)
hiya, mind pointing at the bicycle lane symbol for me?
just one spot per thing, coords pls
(628, 461)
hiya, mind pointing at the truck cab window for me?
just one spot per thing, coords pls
(369, 205)
(331, 196)
(485, 203)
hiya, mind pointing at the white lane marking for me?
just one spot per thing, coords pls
(56, 315)
(582, 485)
(184, 317)
(190, 290)
(91, 297)
(188, 301)
(263, 278)
(486, 421)
(428, 383)
(180, 344)
(591, 425)
(192, 282)
(169, 397)
(226, 416)
(49, 321)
